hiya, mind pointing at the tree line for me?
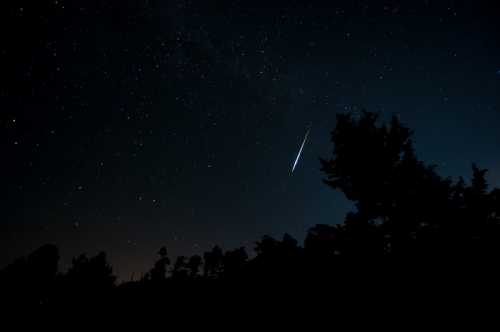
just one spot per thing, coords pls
(408, 221)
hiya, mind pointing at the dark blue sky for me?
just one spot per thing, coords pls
(128, 125)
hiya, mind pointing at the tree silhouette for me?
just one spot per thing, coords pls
(94, 274)
(234, 261)
(275, 258)
(158, 273)
(405, 211)
(194, 265)
(180, 271)
(214, 264)
(32, 278)
(323, 241)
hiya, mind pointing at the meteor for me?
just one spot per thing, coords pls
(300, 150)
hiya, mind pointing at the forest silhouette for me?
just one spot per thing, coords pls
(409, 223)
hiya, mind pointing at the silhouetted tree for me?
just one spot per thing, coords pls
(405, 210)
(323, 241)
(94, 274)
(194, 265)
(180, 271)
(159, 271)
(234, 262)
(214, 265)
(267, 246)
(277, 258)
(32, 279)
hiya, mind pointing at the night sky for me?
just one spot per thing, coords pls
(128, 125)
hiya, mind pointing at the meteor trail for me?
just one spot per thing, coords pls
(300, 150)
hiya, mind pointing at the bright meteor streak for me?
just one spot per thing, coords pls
(300, 150)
